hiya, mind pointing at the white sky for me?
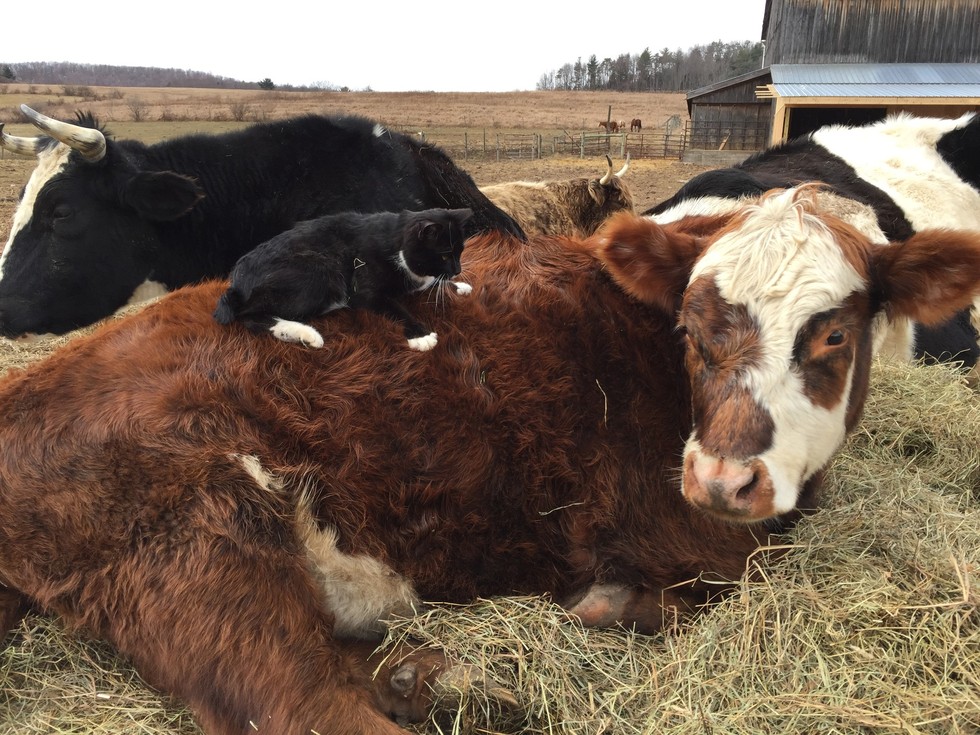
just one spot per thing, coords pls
(437, 46)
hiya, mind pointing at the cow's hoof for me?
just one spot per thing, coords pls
(405, 687)
(408, 689)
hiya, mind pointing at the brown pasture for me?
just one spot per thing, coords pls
(169, 112)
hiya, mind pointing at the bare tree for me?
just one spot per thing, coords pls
(138, 109)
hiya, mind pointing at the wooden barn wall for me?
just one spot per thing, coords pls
(873, 31)
(738, 127)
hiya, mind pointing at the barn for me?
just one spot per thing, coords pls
(841, 61)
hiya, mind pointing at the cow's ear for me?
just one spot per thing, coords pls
(649, 261)
(161, 195)
(929, 277)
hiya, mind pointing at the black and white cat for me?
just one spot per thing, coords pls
(351, 259)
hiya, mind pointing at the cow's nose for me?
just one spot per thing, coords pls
(728, 487)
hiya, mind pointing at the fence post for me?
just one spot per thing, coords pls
(498, 147)
(581, 150)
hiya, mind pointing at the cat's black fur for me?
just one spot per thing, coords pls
(345, 260)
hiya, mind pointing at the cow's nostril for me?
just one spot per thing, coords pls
(744, 493)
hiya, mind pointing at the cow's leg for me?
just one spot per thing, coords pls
(646, 611)
(13, 607)
(237, 629)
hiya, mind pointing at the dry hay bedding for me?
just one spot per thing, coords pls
(868, 622)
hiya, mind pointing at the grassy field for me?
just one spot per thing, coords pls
(523, 111)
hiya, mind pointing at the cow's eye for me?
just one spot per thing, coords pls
(62, 212)
(836, 338)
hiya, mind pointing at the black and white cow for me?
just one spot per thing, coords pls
(103, 223)
(906, 173)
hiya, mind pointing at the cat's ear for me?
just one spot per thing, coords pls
(429, 229)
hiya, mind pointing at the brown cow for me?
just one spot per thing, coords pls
(606, 420)
(610, 127)
(575, 207)
(636, 125)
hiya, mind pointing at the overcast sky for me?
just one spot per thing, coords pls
(440, 46)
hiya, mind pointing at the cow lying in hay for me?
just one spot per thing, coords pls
(903, 174)
(231, 514)
(103, 223)
(574, 208)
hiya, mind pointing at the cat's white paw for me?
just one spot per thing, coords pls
(423, 344)
(289, 331)
(463, 289)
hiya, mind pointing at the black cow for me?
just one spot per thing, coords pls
(103, 223)
(909, 173)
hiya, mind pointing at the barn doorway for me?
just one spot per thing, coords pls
(803, 120)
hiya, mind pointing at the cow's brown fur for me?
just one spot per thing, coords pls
(574, 208)
(535, 450)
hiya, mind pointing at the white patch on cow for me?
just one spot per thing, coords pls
(290, 331)
(423, 344)
(899, 156)
(264, 479)
(463, 289)
(699, 207)
(360, 591)
(49, 164)
(784, 266)
(146, 291)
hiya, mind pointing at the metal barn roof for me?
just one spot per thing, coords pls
(876, 80)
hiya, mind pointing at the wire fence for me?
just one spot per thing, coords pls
(585, 144)
(659, 143)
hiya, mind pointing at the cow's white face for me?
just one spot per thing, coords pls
(49, 164)
(775, 314)
(777, 303)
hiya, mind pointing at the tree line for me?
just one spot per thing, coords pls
(104, 75)
(663, 71)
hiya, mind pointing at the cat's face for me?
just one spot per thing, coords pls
(433, 242)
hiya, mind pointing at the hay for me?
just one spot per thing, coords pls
(868, 622)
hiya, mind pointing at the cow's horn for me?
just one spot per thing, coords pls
(605, 178)
(87, 141)
(625, 166)
(18, 145)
